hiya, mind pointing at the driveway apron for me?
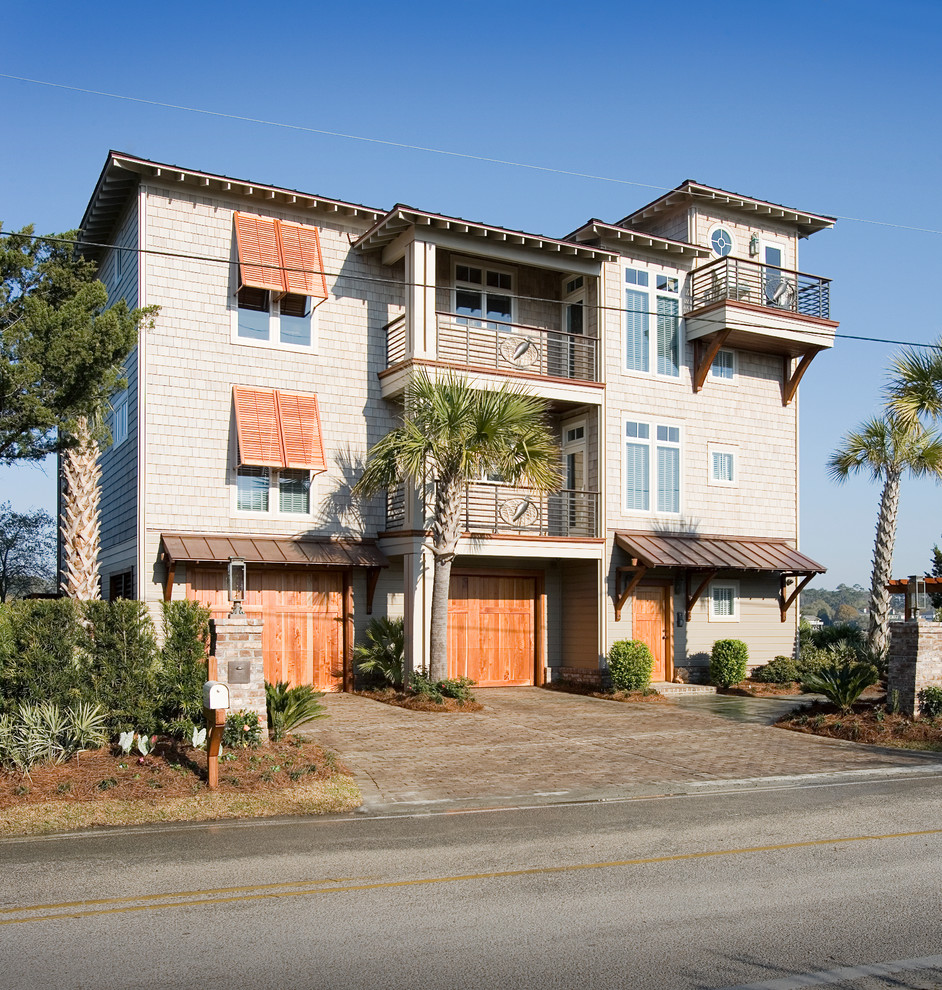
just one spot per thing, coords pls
(536, 745)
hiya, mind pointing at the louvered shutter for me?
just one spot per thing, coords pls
(260, 264)
(257, 423)
(303, 262)
(301, 431)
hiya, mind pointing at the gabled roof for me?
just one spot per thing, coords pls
(122, 173)
(690, 191)
(401, 218)
(637, 238)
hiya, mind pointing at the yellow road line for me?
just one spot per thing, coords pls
(302, 888)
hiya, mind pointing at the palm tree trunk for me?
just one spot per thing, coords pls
(81, 521)
(446, 530)
(878, 635)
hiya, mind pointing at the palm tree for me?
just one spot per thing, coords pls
(915, 388)
(81, 518)
(452, 434)
(887, 447)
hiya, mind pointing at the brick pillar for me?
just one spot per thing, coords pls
(240, 665)
(915, 662)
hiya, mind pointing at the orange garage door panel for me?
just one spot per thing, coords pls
(492, 629)
(302, 611)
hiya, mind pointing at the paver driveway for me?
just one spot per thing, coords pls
(530, 743)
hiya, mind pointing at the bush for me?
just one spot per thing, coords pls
(44, 733)
(630, 664)
(242, 730)
(728, 662)
(457, 687)
(930, 702)
(420, 684)
(182, 667)
(846, 631)
(842, 683)
(781, 670)
(382, 653)
(289, 707)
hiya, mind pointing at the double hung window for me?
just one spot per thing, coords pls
(723, 467)
(286, 321)
(642, 352)
(652, 467)
(724, 601)
(119, 419)
(254, 490)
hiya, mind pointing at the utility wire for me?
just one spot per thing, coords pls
(402, 283)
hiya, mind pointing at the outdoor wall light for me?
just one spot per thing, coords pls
(753, 245)
(235, 584)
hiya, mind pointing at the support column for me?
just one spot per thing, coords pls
(417, 578)
(240, 665)
(421, 336)
(915, 662)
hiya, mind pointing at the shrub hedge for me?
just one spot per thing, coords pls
(728, 662)
(68, 653)
(630, 664)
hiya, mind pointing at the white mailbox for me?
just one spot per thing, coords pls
(215, 695)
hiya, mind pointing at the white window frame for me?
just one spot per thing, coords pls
(732, 586)
(119, 419)
(721, 379)
(652, 443)
(723, 448)
(485, 267)
(273, 341)
(575, 446)
(653, 294)
(722, 225)
(274, 497)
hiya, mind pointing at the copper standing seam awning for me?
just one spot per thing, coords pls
(708, 555)
(208, 548)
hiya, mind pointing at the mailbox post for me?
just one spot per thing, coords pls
(215, 706)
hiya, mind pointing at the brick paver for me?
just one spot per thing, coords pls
(528, 742)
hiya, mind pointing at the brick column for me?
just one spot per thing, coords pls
(240, 665)
(915, 662)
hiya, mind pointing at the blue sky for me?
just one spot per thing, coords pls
(830, 106)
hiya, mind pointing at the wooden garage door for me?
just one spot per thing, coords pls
(492, 629)
(302, 611)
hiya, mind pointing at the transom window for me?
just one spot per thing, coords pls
(286, 322)
(652, 464)
(483, 293)
(642, 351)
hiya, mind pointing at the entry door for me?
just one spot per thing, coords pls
(651, 623)
(774, 258)
(575, 521)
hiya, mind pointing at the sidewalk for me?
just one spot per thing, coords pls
(534, 746)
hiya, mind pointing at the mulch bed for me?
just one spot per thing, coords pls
(626, 696)
(171, 769)
(867, 722)
(419, 702)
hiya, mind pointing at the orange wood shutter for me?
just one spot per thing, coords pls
(257, 422)
(260, 263)
(303, 261)
(301, 431)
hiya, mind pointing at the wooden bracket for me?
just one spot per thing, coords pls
(695, 597)
(372, 576)
(791, 378)
(786, 603)
(637, 572)
(705, 352)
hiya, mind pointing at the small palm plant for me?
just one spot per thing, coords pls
(382, 653)
(289, 707)
(841, 683)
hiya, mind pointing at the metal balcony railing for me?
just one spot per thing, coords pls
(763, 285)
(492, 507)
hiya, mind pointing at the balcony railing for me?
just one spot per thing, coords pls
(763, 285)
(491, 507)
(507, 347)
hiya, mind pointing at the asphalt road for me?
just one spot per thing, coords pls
(756, 887)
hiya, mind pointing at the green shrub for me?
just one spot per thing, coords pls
(421, 684)
(383, 652)
(930, 702)
(182, 667)
(842, 683)
(811, 660)
(728, 662)
(457, 687)
(781, 670)
(840, 631)
(630, 664)
(289, 707)
(242, 730)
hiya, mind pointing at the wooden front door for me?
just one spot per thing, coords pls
(492, 629)
(302, 611)
(651, 623)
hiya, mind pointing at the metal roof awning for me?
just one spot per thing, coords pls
(209, 548)
(706, 556)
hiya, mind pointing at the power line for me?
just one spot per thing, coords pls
(402, 283)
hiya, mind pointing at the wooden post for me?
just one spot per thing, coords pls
(215, 723)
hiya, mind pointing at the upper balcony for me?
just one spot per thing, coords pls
(749, 306)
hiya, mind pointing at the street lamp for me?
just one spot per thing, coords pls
(235, 584)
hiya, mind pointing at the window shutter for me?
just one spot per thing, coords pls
(303, 261)
(636, 321)
(301, 431)
(668, 479)
(257, 424)
(260, 263)
(668, 337)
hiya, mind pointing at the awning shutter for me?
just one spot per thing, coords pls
(260, 262)
(303, 261)
(257, 423)
(301, 431)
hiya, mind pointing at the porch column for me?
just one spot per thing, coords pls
(420, 300)
(417, 610)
